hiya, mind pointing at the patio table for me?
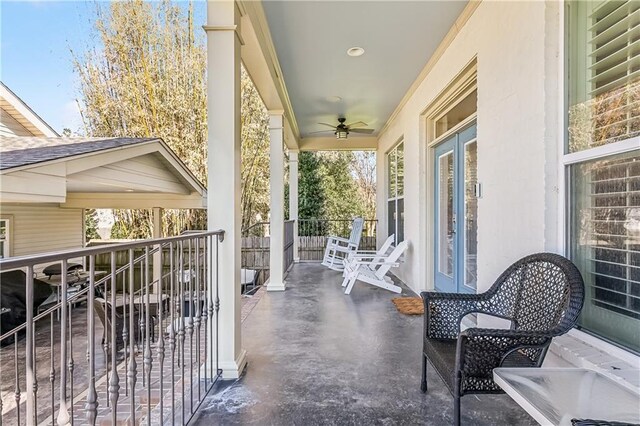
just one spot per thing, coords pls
(555, 396)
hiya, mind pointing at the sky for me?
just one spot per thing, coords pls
(36, 41)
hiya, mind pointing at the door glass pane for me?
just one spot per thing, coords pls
(605, 244)
(445, 214)
(470, 214)
(400, 168)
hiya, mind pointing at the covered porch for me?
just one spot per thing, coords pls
(319, 356)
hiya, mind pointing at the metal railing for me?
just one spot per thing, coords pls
(158, 317)
(313, 233)
(288, 243)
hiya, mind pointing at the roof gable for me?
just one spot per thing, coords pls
(14, 107)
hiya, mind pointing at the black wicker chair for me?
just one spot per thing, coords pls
(541, 294)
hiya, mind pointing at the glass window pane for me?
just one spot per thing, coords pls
(604, 73)
(605, 244)
(457, 114)
(446, 227)
(470, 214)
(400, 169)
(391, 165)
(391, 217)
(400, 222)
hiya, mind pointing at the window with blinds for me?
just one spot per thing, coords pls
(606, 244)
(603, 40)
(604, 61)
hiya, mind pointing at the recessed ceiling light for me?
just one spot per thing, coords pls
(128, 190)
(355, 51)
(334, 99)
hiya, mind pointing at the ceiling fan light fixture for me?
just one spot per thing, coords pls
(355, 51)
(342, 134)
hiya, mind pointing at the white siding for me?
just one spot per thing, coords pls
(10, 127)
(40, 229)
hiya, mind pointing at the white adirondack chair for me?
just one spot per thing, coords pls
(377, 274)
(369, 258)
(339, 248)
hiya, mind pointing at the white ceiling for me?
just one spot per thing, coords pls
(311, 40)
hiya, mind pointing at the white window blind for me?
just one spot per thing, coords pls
(606, 108)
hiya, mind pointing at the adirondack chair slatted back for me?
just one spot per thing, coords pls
(356, 231)
(392, 258)
(384, 248)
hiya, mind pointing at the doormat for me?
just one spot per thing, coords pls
(409, 305)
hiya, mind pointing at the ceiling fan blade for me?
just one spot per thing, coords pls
(333, 126)
(320, 131)
(367, 131)
(357, 123)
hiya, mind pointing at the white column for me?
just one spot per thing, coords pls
(223, 203)
(157, 256)
(276, 186)
(293, 200)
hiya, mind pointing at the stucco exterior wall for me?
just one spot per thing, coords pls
(517, 47)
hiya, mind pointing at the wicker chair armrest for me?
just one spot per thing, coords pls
(444, 311)
(480, 350)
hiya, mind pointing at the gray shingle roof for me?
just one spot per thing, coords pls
(25, 151)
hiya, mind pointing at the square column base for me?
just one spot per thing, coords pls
(274, 286)
(234, 369)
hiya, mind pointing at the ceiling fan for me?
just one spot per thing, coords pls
(342, 130)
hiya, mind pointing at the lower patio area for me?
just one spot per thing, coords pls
(318, 356)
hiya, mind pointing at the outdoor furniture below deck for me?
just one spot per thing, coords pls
(569, 396)
(542, 296)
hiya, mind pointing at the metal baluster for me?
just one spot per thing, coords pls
(29, 358)
(71, 364)
(190, 327)
(147, 348)
(205, 308)
(181, 336)
(217, 305)
(91, 407)
(63, 412)
(114, 382)
(52, 370)
(132, 372)
(172, 332)
(125, 330)
(17, 389)
(106, 336)
(160, 344)
(210, 307)
(198, 314)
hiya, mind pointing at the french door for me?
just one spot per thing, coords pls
(456, 212)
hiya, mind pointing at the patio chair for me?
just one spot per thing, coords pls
(542, 296)
(368, 257)
(339, 248)
(376, 274)
(102, 310)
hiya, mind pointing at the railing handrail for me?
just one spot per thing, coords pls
(36, 259)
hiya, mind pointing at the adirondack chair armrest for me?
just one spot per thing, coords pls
(334, 239)
(345, 249)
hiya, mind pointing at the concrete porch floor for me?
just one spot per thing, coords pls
(318, 356)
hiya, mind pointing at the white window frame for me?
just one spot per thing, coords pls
(396, 198)
(566, 160)
(8, 240)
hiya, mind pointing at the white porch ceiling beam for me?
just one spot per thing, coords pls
(133, 201)
(333, 144)
(261, 62)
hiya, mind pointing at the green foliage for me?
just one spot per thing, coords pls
(311, 196)
(91, 225)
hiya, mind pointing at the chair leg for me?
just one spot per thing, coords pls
(456, 410)
(423, 384)
(352, 281)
